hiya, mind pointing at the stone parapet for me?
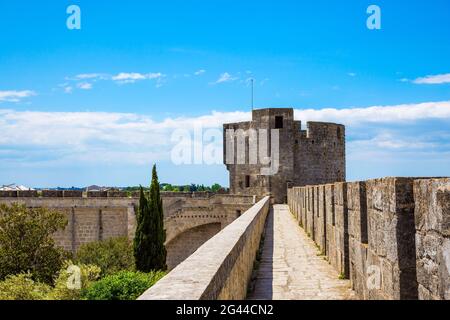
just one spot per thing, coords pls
(389, 236)
(221, 268)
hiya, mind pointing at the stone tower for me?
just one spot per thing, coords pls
(306, 157)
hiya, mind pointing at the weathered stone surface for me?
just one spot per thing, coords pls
(8, 194)
(341, 261)
(357, 211)
(358, 242)
(291, 268)
(432, 221)
(102, 217)
(306, 157)
(390, 222)
(52, 193)
(224, 273)
(73, 193)
(321, 236)
(391, 236)
(27, 194)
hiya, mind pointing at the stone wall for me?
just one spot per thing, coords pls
(312, 156)
(221, 268)
(389, 236)
(98, 216)
(187, 242)
(433, 238)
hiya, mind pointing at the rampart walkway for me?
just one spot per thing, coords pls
(291, 267)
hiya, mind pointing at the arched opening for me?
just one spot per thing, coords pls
(186, 243)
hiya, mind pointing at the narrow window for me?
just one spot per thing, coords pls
(247, 181)
(278, 122)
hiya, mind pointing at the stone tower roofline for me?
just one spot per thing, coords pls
(312, 127)
(315, 155)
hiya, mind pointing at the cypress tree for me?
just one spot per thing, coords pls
(149, 250)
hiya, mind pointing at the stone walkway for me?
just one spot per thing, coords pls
(291, 268)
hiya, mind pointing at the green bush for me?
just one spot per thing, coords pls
(124, 285)
(64, 291)
(112, 255)
(23, 287)
(26, 243)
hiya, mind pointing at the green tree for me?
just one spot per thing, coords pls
(26, 243)
(149, 250)
(88, 275)
(216, 187)
(124, 285)
(111, 255)
(23, 287)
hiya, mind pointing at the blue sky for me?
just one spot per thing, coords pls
(64, 93)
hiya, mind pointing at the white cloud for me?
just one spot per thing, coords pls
(132, 77)
(389, 141)
(90, 76)
(68, 89)
(378, 114)
(84, 81)
(351, 74)
(225, 77)
(84, 86)
(15, 96)
(100, 137)
(433, 79)
(200, 72)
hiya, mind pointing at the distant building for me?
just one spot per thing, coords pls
(97, 188)
(14, 187)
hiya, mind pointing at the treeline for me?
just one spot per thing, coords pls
(183, 188)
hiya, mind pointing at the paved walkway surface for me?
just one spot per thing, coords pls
(291, 268)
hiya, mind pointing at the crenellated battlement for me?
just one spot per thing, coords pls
(389, 236)
(100, 194)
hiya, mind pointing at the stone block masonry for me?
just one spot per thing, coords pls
(358, 236)
(432, 221)
(306, 157)
(221, 268)
(390, 236)
(190, 218)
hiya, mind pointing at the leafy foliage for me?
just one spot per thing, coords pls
(110, 255)
(88, 275)
(149, 251)
(23, 287)
(181, 188)
(124, 285)
(26, 243)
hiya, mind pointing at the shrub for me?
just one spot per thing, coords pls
(23, 287)
(112, 255)
(62, 291)
(124, 285)
(26, 243)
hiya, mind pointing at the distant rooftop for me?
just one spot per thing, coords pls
(14, 187)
